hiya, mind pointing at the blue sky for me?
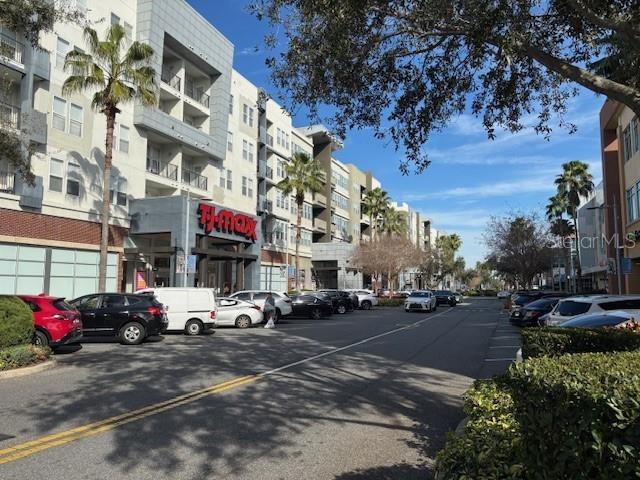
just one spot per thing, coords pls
(471, 178)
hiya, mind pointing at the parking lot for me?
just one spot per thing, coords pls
(371, 391)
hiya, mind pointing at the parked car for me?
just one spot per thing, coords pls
(571, 307)
(130, 317)
(351, 297)
(458, 296)
(56, 322)
(340, 303)
(446, 297)
(531, 314)
(518, 300)
(242, 314)
(312, 306)
(282, 300)
(504, 294)
(616, 318)
(188, 309)
(422, 300)
(366, 299)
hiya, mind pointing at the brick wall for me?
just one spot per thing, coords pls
(269, 256)
(17, 223)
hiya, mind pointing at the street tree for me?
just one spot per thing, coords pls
(116, 75)
(302, 175)
(393, 222)
(519, 247)
(405, 68)
(573, 184)
(375, 203)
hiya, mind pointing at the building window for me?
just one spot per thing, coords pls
(56, 175)
(632, 204)
(340, 200)
(631, 138)
(117, 192)
(115, 19)
(59, 121)
(62, 48)
(307, 211)
(245, 150)
(75, 120)
(73, 179)
(230, 141)
(247, 115)
(287, 144)
(230, 104)
(340, 179)
(123, 146)
(280, 170)
(247, 187)
(226, 179)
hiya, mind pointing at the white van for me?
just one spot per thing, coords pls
(191, 310)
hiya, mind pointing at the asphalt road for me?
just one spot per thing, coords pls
(367, 395)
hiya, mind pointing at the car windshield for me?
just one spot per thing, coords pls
(543, 303)
(571, 308)
(523, 299)
(420, 294)
(594, 321)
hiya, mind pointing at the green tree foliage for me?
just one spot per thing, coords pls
(407, 67)
(302, 175)
(115, 75)
(375, 203)
(16, 322)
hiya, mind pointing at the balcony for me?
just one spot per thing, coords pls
(197, 95)
(11, 49)
(162, 169)
(365, 219)
(319, 226)
(35, 122)
(269, 172)
(270, 140)
(9, 116)
(7, 180)
(319, 200)
(174, 81)
(194, 179)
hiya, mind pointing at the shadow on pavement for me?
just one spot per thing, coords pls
(400, 471)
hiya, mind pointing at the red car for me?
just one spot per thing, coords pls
(57, 323)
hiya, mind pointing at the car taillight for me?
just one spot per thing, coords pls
(212, 314)
(155, 311)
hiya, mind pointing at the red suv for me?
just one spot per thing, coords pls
(57, 323)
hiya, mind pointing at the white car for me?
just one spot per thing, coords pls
(614, 319)
(189, 309)
(366, 299)
(421, 300)
(282, 300)
(233, 311)
(571, 307)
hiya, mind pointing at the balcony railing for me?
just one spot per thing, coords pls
(10, 48)
(9, 116)
(319, 225)
(194, 179)
(200, 97)
(163, 169)
(172, 80)
(7, 181)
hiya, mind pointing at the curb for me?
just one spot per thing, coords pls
(23, 371)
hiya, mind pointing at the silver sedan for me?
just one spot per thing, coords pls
(233, 311)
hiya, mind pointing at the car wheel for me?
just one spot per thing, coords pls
(132, 333)
(243, 321)
(193, 327)
(316, 314)
(40, 339)
(342, 309)
(366, 305)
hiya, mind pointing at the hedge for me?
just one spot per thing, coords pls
(16, 322)
(22, 356)
(555, 341)
(575, 417)
(579, 416)
(390, 302)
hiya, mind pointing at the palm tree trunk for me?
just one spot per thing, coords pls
(298, 238)
(106, 204)
(578, 266)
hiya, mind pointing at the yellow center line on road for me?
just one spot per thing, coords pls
(25, 449)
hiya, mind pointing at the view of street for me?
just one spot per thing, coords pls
(366, 395)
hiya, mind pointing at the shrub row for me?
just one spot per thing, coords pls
(390, 302)
(16, 322)
(22, 356)
(555, 341)
(573, 417)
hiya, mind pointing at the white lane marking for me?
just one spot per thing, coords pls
(511, 359)
(506, 346)
(360, 342)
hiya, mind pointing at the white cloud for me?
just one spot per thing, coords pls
(248, 51)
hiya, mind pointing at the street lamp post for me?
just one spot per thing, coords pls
(614, 207)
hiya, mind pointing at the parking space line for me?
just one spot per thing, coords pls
(46, 442)
(511, 359)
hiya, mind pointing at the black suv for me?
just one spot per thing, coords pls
(445, 296)
(131, 318)
(340, 303)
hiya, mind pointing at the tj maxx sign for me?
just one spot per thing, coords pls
(226, 221)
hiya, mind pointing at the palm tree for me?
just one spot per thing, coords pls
(393, 222)
(302, 175)
(115, 76)
(574, 183)
(375, 203)
(562, 228)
